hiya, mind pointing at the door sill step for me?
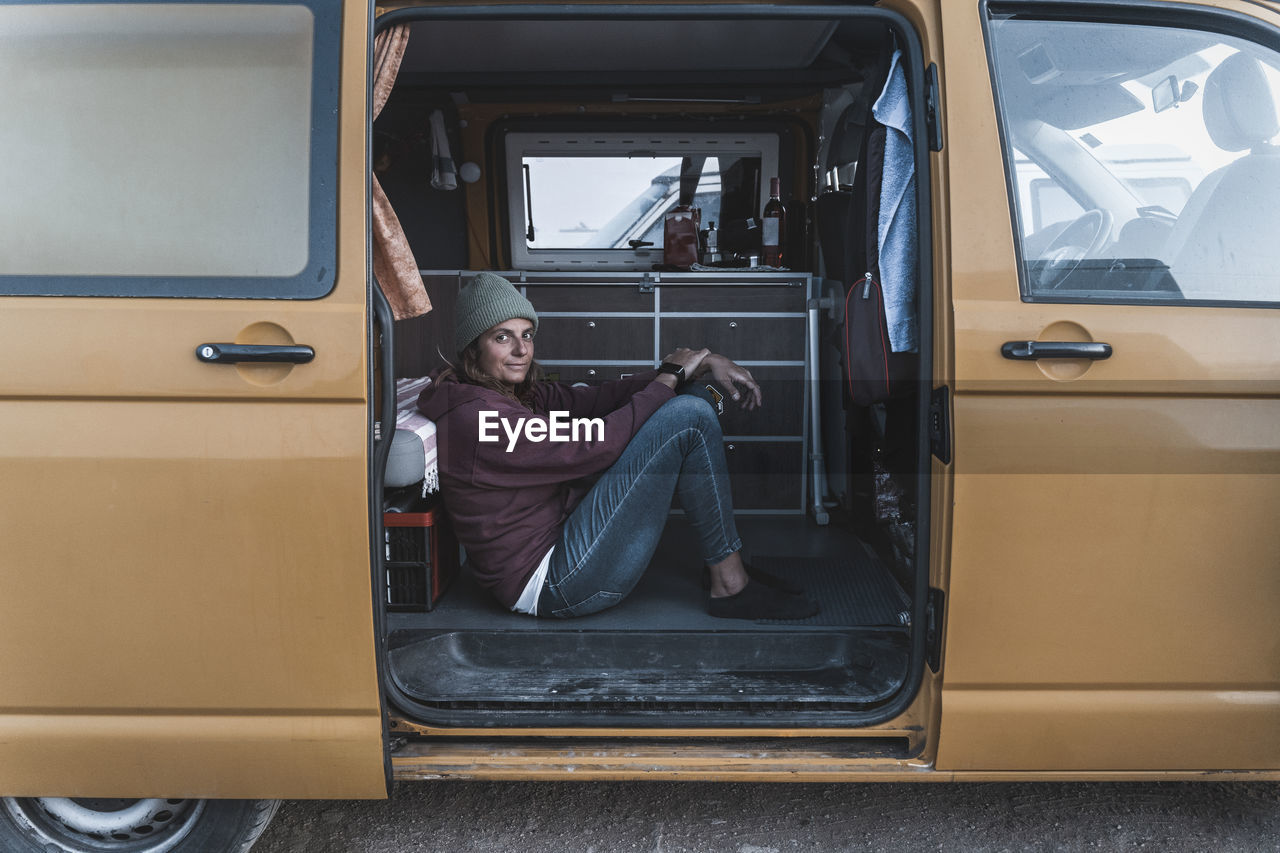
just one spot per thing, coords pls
(564, 670)
(792, 759)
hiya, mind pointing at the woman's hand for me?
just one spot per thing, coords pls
(691, 359)
(737, 380)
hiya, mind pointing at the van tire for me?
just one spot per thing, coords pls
(61, 825)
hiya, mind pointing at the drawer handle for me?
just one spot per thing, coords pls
(733, 324)
(729, 447)
(591, 324)
(591, 373)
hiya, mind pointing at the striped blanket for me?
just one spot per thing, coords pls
(408, 417)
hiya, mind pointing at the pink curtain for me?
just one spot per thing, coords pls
(393, 263)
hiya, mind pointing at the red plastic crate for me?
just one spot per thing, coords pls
(421, 559)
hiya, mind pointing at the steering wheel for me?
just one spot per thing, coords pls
(1081, 239)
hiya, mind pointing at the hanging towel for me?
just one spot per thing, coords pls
(897, 225)
(408, 417)
(443, 174)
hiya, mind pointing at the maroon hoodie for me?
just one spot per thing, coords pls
(508, 508)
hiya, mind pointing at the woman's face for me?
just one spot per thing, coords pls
(506, 351)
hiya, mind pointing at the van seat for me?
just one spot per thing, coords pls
(1223, 245)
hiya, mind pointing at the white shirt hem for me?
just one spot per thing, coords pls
(528, 600)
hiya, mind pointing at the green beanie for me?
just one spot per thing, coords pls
(484, 303)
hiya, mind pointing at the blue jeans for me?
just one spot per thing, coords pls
(609, 538)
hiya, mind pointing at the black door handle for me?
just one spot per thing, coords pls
(260, 353)
(1032, 350)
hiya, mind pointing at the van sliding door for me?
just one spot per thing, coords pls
(183, 405)
(1114, 581)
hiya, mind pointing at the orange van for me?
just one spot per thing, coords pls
(1020, 363)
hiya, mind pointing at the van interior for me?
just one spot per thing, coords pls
(571, 138)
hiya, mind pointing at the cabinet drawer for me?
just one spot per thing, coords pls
(766, 474)
(782, 412)
(588, 297)
(582, 373)
(743, 338)
(730, 297)
(602, 338)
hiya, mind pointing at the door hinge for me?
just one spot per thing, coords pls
(940, 424)
(933, 109)
(933, 628)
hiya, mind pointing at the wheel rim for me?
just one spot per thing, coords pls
(118, 826)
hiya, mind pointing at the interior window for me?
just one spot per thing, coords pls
(1142, 160)
(606, 202)
(600, 198)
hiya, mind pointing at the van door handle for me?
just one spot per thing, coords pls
(1032, 350)
(254, 353)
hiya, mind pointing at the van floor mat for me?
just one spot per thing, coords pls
(852, 587)
(553, 669)
(851, 590)
(659, 648)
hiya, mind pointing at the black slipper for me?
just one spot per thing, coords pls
(757, 601)
(780, 584)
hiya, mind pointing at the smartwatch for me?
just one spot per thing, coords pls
(676, 370)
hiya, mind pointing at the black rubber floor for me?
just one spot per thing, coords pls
(805, 669)
(660, 649)
(847, 580)
(852, 590)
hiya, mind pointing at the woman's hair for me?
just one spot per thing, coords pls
(469, 372)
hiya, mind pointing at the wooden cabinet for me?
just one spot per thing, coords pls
(596, 327)
(572, 373)
(597, 337)
(783, 410)
(741, 336)
(765, 474)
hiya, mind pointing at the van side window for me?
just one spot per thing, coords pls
(1143, 161)
(166, 149)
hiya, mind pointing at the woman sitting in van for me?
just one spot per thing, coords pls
(514, 472)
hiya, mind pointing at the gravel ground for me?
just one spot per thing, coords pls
(760, 818)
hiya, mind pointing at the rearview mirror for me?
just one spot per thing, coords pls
(1167, 93)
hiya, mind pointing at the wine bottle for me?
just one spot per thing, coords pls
(773, 225)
